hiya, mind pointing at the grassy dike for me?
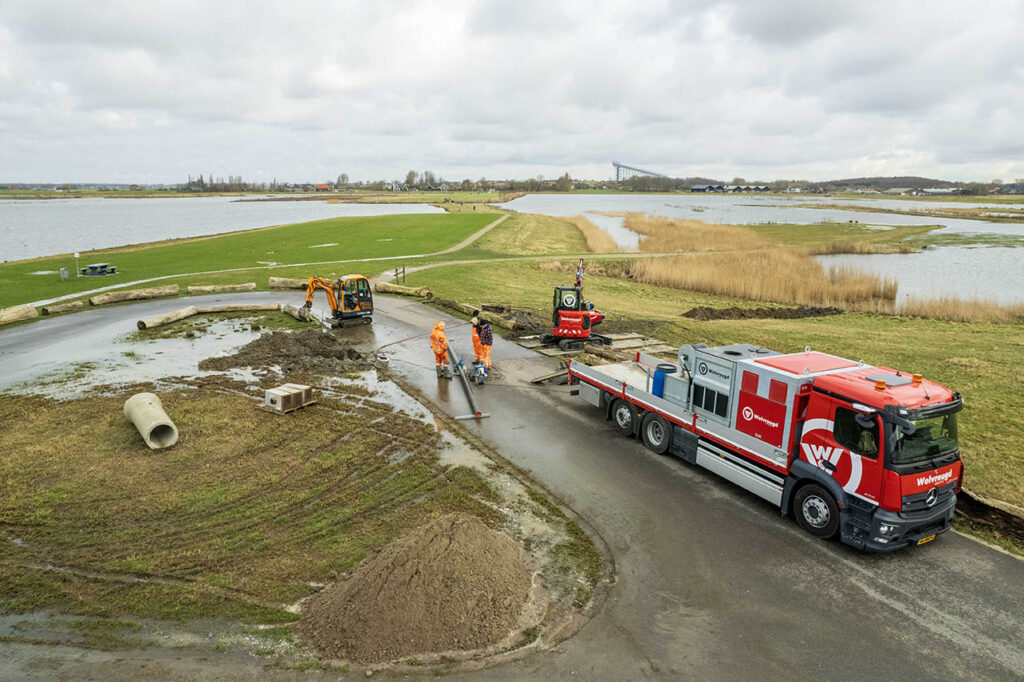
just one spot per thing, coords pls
(975, 359)
(335, 239)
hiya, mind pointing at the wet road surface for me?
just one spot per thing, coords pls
(710, 582)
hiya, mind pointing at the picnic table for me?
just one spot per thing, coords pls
(99, 269)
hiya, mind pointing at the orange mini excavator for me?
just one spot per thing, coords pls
(350, 297)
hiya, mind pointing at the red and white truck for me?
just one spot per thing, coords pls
(868, 453)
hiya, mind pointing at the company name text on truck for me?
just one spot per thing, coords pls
(868, 453)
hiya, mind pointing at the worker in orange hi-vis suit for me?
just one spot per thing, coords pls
(478, 349)
(439, 344)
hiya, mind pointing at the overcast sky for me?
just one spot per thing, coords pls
(150, 92)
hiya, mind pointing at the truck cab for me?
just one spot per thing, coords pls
(889, 440)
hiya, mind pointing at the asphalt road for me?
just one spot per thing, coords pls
(710, 582)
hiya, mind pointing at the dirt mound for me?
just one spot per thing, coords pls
(308, 350)
(451, 585)
(705, 313)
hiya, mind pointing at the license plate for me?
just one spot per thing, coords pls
(927, 538)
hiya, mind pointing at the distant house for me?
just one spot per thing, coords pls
(323, 187)
(708, 188)
(136, 188)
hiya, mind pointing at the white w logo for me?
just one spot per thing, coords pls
(817, 454)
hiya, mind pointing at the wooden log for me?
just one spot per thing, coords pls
(287, 283)
(301, 314)
(63, 307)
(500, 320)
(134, 294)
(237, 308)
(389, 288)
(221, 288)
(161, 320)
(18, 313)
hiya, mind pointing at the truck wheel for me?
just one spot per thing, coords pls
(657, 434)
(623, 416)
(816, 511)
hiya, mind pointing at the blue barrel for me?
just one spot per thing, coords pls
(658, 384)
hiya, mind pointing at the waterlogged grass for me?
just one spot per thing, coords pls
(233, 522)
(848, 237)
(335, 239)
(973, 358)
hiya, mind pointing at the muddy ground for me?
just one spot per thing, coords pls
(313, 351)
(705, 313)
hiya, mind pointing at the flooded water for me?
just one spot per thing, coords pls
(985, 272)
(29, 229)
(739, 209)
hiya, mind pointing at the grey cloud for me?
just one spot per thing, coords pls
(122, 91)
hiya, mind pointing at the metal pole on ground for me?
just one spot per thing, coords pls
(459, 369)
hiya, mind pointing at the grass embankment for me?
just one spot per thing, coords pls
(336, 239)
(970, 358)
(234, 522)
(597, 240)
(530, 234)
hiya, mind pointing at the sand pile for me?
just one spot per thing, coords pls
(452, 584)
(308, 350)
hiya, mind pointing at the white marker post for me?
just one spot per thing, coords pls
(78, 271)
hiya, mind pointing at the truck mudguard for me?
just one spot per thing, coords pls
(801, 471)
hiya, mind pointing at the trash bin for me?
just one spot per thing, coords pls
(64, 274)
(658, 384)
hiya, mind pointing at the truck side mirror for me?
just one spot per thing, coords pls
(865, 421)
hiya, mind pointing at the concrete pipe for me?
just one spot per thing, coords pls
(147, 413)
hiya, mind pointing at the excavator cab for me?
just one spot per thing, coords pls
(349, 297)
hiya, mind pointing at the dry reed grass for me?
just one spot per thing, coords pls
(659, 234)
(962, 310)
(598, 240)
(775, 274)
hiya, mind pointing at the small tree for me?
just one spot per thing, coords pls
(410, 178)
(564, 183)
(428, 178)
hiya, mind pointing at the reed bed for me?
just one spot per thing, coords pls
(659, 234)
(859, 248)
(962, 310)
(776, 274)
(598, 240)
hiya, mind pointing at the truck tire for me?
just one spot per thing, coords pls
(816, 511)
(657, 434)
(623, 416)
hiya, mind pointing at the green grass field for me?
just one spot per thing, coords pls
(351, 238)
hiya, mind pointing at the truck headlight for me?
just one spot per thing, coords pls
(886, 529)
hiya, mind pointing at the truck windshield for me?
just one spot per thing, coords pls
(934, 436)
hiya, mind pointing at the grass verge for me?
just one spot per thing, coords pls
(234, 522)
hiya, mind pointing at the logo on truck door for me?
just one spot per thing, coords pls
(847, 465)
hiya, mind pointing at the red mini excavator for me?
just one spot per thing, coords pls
(573, 319)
